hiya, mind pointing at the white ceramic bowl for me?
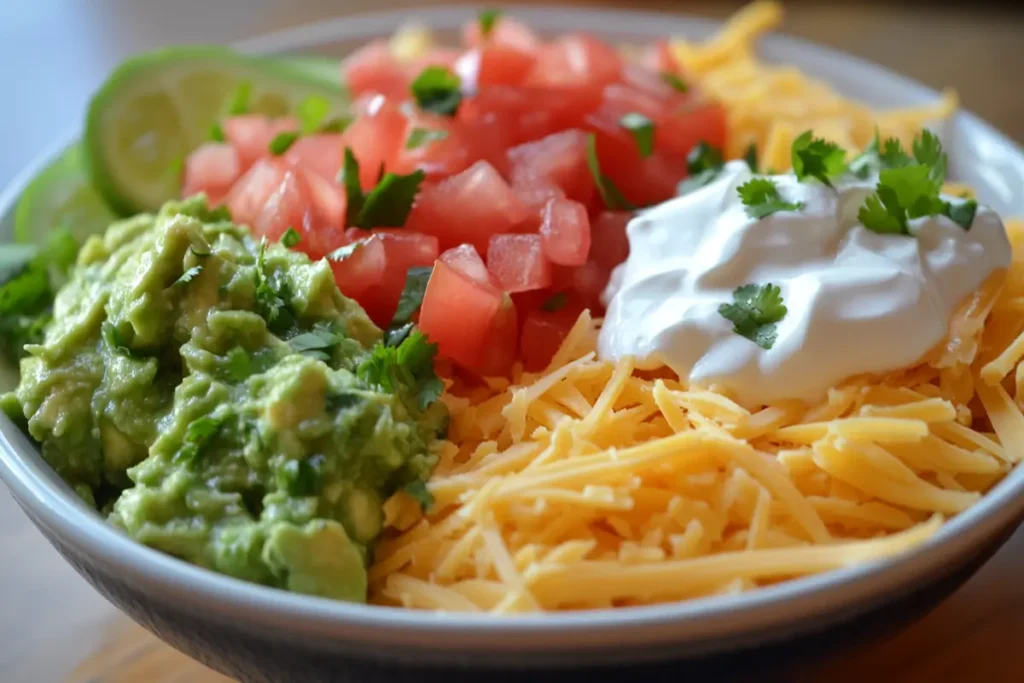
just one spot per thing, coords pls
(261, 634)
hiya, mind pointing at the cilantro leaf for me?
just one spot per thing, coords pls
(198, 435)
(962, 213)
(317, 342)
(410, 364)
(311, 112)
(388, 204)
(916, 187)
(412, 294)
(927, 149)
(421, 136)
(342, 253)
(396, 335)
(437, 90)
(612, 196)
(642, 129)
(269, 298)
(882, 213)
(488, 18)
(349, 177)
(239, 103)
(302, 477)
(750, 156)
(419, 491)
(291, 238)
(188, 276)
(336, 124)
(217, 132)
(761, 197)
(282, 142)
(816, 158)
(675, 82)
(754, 312)
(704, 164)
(554, 303)
(867, 162)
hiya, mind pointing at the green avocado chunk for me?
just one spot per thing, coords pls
(202, 389)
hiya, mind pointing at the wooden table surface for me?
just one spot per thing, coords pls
(53, 627)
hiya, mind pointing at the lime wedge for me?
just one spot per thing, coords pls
(60, 197)
(156, 108)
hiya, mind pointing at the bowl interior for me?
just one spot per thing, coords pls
(979, 156)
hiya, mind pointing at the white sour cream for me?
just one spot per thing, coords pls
(857, 301)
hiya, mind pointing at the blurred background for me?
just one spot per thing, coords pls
(53, 53)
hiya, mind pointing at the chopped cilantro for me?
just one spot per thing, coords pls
(112, 337)
(754, 312)
(892, 155)
(421, 136)
(642, 129)
(312, 112)
(396, 335)
(317, 342)
(962, 213)
(750, 156)
(901, 194)
(488, 18)
(673, 80)
(291, 237)
(268, 297)
(342, 253)
(879, 156)
(217, 132)
(302, 477)
(412, 294)
(409, 364)
(239, 364)
(189, 275)
(282, 142)
(554, 303)
(437, 90)
(928, 151)
(761, 197)
(198, 435)
(419, 491)
(336, 124)
(388, 204)
(613, 198)
(704, 163)
(349, 177)
(882, 213)
(816, 158)
(239, 103)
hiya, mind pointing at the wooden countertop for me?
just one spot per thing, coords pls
(53, 627)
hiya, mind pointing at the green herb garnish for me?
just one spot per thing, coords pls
(761, 197)
(239, 364)
(217, 132)
(189, 275)
(421, 136)
(282, 142)
(612, 196)
(291, 238)
(816, 158)
(412, 294)
(754, 312)
(750, 156)
(317, 342)
(387, 205)
(488, 18)
(410, 364)
(344, 252)
(437, 90)
(239, 103)
(554, 303)
(419, 491)
(642, 129)
(198, 435)
(302, 477)
(312, 112)
(673, 80)
(704, 164)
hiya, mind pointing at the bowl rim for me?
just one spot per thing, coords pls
(53, 505)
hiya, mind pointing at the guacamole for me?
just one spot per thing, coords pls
(223, 402)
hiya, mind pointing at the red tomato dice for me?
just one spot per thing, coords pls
(320, 153)
(251, 134)
(212, 168)
(326, 232)
(559, 160)
(506, 31)
(372, 69)
(251, 191)
(468, 208)
(466, 260)
(578, 61)
(286, 207)
(543, 334)
(493, 64)
(438, 157)
(375, 138)
(459, 309)
(498, 351)
(609, 242)
(361, 271)
(565, 232)
(681, 127)
(517, 263)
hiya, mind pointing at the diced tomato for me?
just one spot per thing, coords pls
(559, 160)
(251, 191)
(286, 207)
(493, 64)
(651, 83)
(659, 58)
(578, 62)
(589, 281)
(375, 138)
(517, 263)
(468, 208)
(506, 31)
(212, 168)
(565, 232)
(251, 134)
(682, 127)
(326, 232)
(609, 242)
(321, 153)
(362, 270)
(437, 157)
(372, 69)
(459, 310)
(466, 260)
(402, 250)
(498, 351)
(619, 99)
(543, 333)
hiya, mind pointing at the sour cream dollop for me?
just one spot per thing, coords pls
(857, 301)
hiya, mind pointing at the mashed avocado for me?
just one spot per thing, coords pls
(223, 402)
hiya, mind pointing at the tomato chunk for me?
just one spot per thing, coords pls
(438, 147)
(506, 31)
(212, 168)
(543, 334)
(559, 160)
(609, 242)
(493, 64)
(375, 138)
(251, 191)
(320, 153)
(362, 270)
(565, 232)
(466, 260)
(468, 208)
(578, 62)
(286, 207)
(251, 134)
(458, 311)
(372, 69)
(499, 346)
(402, 250)
(517, 263)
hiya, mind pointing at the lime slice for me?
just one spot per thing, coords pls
(156, 108)
(326, 68)
(61, 197)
